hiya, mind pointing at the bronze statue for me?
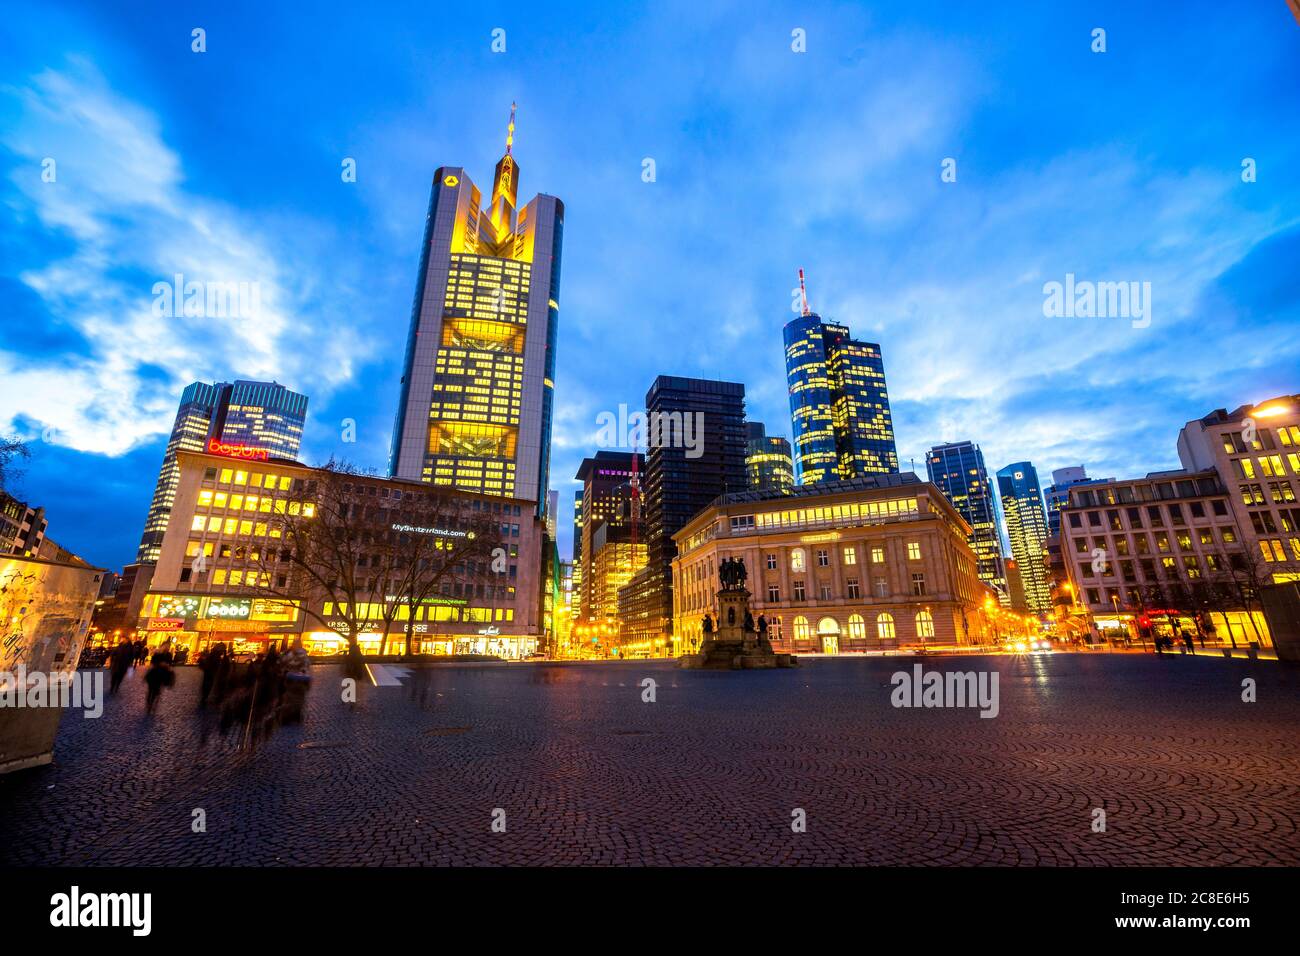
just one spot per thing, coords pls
(749, 622)
(708, 624)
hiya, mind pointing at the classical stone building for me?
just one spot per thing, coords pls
(868, 564)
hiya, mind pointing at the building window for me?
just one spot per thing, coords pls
(850, 555)
(924, 625)
(918, 584)
(823, 558)
(798, 591)
(796, 560)
(851, 585)
(773, 594)
(877, 555)
(801, 632)
(913, 551)
(771, 562)
(885, 626)
(882, 587)
(825, 592)
(857, 627)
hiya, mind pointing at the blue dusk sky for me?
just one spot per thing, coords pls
(1124, 165)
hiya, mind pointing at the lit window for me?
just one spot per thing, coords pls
(924, 624)
(850, 555)
(796, 560)
(877, 555)
(913, 551)
(885, 626)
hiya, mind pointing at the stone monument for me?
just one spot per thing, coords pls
(735, 642)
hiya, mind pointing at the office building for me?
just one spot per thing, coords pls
(1255, 449)
(476, 400)
(869, 564)
(259, 421)
(957, 469)
(1058, 492)
(223, 576)
(606, 511)
(768, 460)
(1161, 556)
(1022, 507)
(839, 406)
(696, 453)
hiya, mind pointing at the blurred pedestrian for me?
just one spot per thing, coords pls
(160, 675)
(119, 663)
(296, 665)
(211, 662)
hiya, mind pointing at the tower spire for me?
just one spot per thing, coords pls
(803, 295)
(510, 130)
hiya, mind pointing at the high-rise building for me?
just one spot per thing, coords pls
(958, 469)
(1022, 506)
(576, 563)
(251, 421)
(606, 507)
(839, 405)
(478, 376)
(768, 460)
(681, 477)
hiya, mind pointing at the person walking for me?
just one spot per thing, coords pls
(119, 662)
(160, 675)
(296, 665)
(210, 663)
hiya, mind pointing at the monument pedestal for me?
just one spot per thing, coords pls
(732, 645)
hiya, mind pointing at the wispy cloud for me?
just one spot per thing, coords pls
(123, 220)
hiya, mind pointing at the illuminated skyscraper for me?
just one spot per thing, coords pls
(769, 463)
(681, 478)
(1022, 506)
(259, 418)
(606, 510)
(839, 405)
(477, 382)
(958, 469)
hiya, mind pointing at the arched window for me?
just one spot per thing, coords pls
(828, 625)
(796, 560)
(924, 624)
(857, 627)
(801, 628)
(885, 626)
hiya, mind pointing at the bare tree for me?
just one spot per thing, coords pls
(355, 553)
(317, 550)
(11, 449)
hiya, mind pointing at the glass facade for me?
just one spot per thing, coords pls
(839, 405)
(255, 416)
(769, 463)
(1022, 505)
(477, 388)
(957, 468)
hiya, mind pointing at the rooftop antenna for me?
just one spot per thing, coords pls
(510, 130)
(803, 295)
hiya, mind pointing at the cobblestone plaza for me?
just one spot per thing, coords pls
(710, 773)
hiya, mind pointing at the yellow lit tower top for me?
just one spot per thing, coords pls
(505, 186)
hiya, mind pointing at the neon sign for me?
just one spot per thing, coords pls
(244, 452)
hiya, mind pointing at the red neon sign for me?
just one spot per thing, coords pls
(245, 452)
